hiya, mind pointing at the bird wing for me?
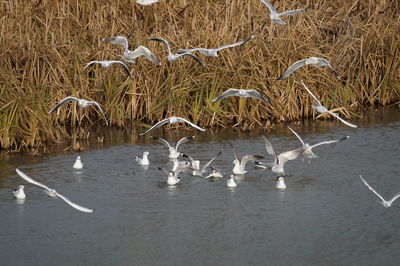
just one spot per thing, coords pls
(30, 180)
(65, 100)
(342, 120)
(270, 6)
(209, 162)
(329, 142)
(291, 12)
(248, 158)
(125, 67)
(180, 119)
(163, 41)
(227, 93)
(295, 133)
(192, 56)
(312, 95)
(101, 110)
(370, 188)
(158, 124)
(161, 141)
(268, 147)
(91, 63)
(292, 68)
(118, 40)
(163, 169)
(183, 140)
(193, 50)
(74, 205)
(144, 51)
(257, 95)
(234, 44)
(290, 155)
(394, 198)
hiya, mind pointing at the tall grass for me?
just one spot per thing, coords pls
(45, 44)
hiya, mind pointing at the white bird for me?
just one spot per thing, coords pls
(173, 151)
(78, 163)
(309, 61)
(172, 57)
(239, 165)
(280, 160)
(172, 177)
(182, 166)
(308, 152)
(321, 109)
(275, 16)
(241, 93)
(172, 120)
(107, 63)
(385, 203)
(82, 103)
(215, 173)
(53, 193)
(19, 193)
(280, 184)
(144, 160)
(231, 182)
(129, 55)
(147, 2)
(214, 52)
(196, 164)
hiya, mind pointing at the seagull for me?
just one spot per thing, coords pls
(82, 103)
(19, 193)
(129, 55)
(144, 160)
(308, 152)
(214, 52)
(241, 93)
(277, 166)
(53, 193)
(196, 164)
(231, 182)
(106, 63)
(215, 173)
(309, 61)
(385, 203)
(173, 151)
(275, 16)
(172, 120)
(280, 184)
(321, 109)
(172, 177)
(182, 166)
(238, 169)
(172, 57)
(78, 163)
(147, 2)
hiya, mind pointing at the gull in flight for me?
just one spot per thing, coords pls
(172, 120)
(53, 193)
(147, 2)
(309, 61)
(144, 160)
(129, 55)
(106, 64)
(240, 93)
(173, 151)
(239, 165)
(280, 160)
(385, 203)
(172, 57)
(19, 193)
(280, 184)
(275, 16)
(196, 164)
(231, 182)
(82, 103)
(308, 152)
(214, 52)
(321, 109)
(215, 173)
(78, 163)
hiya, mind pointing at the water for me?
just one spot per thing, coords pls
(326, 216)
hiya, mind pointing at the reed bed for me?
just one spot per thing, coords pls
(45, 44)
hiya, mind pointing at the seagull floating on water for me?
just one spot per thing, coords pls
(106, 64)
(144, 160)
(280, 184)
(172, 176)
(129, 55)
(78, 163)
(275, 16)
(321, 109)
(215, 173)
(53, 193)
(309, 61)
(147, 2)
(196, 164)
(172, 57)
(19, 193)
(385, 203)
(173, 151)
(172, 120)
(241, 93)
(214, 52)
(239, 165)
(231, 182)
(82, 103)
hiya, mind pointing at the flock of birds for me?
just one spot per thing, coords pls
(188, 164)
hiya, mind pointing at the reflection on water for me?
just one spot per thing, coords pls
(325, 215)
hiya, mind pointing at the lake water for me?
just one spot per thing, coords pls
(326, 216)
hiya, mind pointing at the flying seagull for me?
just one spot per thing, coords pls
(173, 151)
(321, 109)
(172, 57)
(144, 160)
(241, 93)
(147, 2)
(196, 164)
(316, 61)
(82, 103)
(214, 52)
(385, 203)
(52, 193)
(129, 55)
(106, 64)
(275, 16)
(172, 120)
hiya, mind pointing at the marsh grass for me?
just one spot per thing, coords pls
(45, 45)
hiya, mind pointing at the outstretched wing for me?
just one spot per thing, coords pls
(248, 158)
(209, 162)
(101, 110)
(271, 8)
(370, 188)
(192, 56)
(234, 44)
(124, 66)
(291, 12)
(91, 63)
(329, 142)
(268, 147)
(290, 155)
(65, 100)
(295, 133)
(227, 93)
(257, 95)
(144, 51)
(30, 180)
(394, 198)
(292, 68)
(180, 119)
(163, 169)
(163, 41)
(163, 141)
(311, 94)
(118, 40)
(159, 124)
(183, 140)
(342, 120)
(74, 205)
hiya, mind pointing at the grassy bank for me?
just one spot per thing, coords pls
(45, 44)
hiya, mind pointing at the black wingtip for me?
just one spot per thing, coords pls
(280, 78)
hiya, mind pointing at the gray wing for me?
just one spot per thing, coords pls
(125, 67)
(248, 158)
(295, 133)
(292, 68)
(291, 12)
(30, 180)
(144, 51)
(119, 40)
(163, 169)
(311, 94)
(180, 119)
(268, 147)
(270, 6)
(163, 41)
(65, 100)
(159, 124)
(257, 95)
(91, 63)
(209, 162)
(329, 142)
(183, 140)
(235, 44)
(163, 141)
(342, 120)
(290, 155)
(370, 188)
(394, 198)
(74, 205)
(227, 93)
(101, 110)
(192, 56)
(194, 50)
